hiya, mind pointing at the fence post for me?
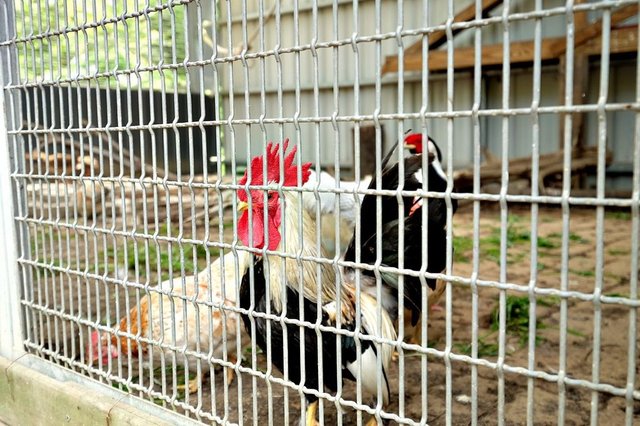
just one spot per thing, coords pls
(11, 324)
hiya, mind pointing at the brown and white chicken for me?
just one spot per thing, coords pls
(164, 323)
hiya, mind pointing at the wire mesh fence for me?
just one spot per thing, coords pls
(462, 248)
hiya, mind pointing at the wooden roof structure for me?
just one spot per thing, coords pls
(587, 41)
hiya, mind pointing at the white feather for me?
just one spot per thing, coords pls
(329, 204)
(369, 381)
(369, 314)
(346, 206)
(436, 161)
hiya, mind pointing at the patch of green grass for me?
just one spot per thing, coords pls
(548, 301)
(575, 238)
(170, 256)
(167, 256)
(618, 214)
(517, 324)
(490, 245)
(618, 252)
(514, 218)
(181, 392)
(248, 350)
(517, 318)
(120, 386)
(516, 257)
(462, 247)
(575, 332)
(545, 242)
(492, 252)
(516, 235)
(583, 272)
(246, 360)
(623, 295)
(484, 349)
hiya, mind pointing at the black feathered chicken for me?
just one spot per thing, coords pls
(436, 221)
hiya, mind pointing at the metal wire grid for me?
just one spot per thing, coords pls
(54, 266)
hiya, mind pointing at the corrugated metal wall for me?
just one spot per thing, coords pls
(356, 76)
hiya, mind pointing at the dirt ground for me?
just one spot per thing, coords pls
(269, 401)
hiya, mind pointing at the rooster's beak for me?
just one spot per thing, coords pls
(242, 206)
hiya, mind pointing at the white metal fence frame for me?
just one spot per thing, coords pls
(12, 330)
(15, 218)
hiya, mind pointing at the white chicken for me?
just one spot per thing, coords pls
(346, 206)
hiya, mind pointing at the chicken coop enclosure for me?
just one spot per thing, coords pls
(169, 257)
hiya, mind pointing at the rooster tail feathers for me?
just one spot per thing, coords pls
(386, 332)
(386, 158)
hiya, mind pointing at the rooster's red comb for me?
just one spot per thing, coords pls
(272, 159)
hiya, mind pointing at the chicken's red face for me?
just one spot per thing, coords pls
(272, 206)
(97, 341)
(413, 143)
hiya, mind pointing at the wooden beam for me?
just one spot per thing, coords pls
(520, 51)
(580, 19)
(594, 30)
(580, 85)
(520, 168)
(367, 149)
(622, 40)
(438, 38)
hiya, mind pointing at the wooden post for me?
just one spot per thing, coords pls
(580, 85)
(367, 149)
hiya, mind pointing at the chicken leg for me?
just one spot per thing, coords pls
(230, 372)
(192, 385)
(310, 417)
(372, 422)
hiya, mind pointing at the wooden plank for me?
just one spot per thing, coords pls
(552, 48)
(623, 40)
(521, 51)
(580, 19)
(520, 168)
(438, 38)
(580, 83)
(594, 30)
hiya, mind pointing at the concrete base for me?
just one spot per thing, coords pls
(28, 397)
